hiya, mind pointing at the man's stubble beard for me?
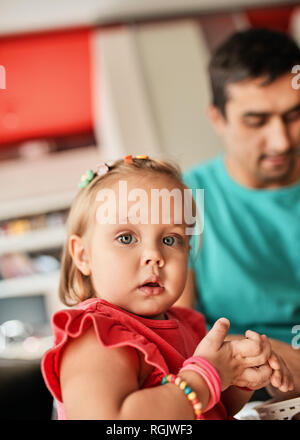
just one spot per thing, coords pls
(280, 177)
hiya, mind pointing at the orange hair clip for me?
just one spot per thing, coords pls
(128, 159)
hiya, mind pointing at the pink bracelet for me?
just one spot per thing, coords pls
(200, 360)
(208, 367)
(209, 374)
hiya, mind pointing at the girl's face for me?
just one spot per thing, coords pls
(141, 268)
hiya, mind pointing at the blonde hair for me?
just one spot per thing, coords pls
(74, 286)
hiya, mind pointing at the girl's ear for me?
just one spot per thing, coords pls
(79, 254)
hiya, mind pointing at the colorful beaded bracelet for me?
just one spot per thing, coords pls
(209, 374)
(190, 394)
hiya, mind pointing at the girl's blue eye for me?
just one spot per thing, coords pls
(169, 241)
(126, 239)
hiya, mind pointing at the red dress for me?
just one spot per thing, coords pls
(164, 343)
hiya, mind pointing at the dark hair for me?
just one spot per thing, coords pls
(254, 53)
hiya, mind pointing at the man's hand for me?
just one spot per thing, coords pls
(281, 377)
(243, 362)
(254, 348)
(254, 351)
(257, 352)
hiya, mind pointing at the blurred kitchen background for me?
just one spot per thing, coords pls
(82, 81)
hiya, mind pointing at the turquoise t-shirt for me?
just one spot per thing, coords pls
(248, 267)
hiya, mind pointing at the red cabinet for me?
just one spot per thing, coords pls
(273, 17)
(48, 85)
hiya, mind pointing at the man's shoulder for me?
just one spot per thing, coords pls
(202, 173)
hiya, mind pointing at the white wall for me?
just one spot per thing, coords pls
(151, 92)
(123, 119)
(174, 59)
(35, 15)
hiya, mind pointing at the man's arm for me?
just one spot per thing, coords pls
(188, 297)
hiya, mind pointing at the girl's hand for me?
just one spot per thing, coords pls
(227, 358)
(240, 362)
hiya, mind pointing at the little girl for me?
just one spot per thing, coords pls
(122, 351)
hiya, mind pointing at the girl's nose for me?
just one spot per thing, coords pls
(152, 258)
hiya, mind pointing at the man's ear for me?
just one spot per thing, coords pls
(79, 254)
(217, 119)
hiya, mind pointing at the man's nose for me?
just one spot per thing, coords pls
(278, 137)
(152, 257)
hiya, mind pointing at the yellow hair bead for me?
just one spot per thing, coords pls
(192, 395)
(178, 381)
(182, 385)
(141, 156)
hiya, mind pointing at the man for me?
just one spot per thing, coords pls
(248, 269)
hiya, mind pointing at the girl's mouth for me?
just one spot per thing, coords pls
(153, 287)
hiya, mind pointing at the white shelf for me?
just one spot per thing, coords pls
(40, 239)
(46, 184)
(36, 205)
(29, 285)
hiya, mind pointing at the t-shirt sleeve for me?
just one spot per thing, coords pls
(71, 323)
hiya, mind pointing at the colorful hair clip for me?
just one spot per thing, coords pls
(142, 156)
(86, 178)
(128, 159)
(101, 169)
